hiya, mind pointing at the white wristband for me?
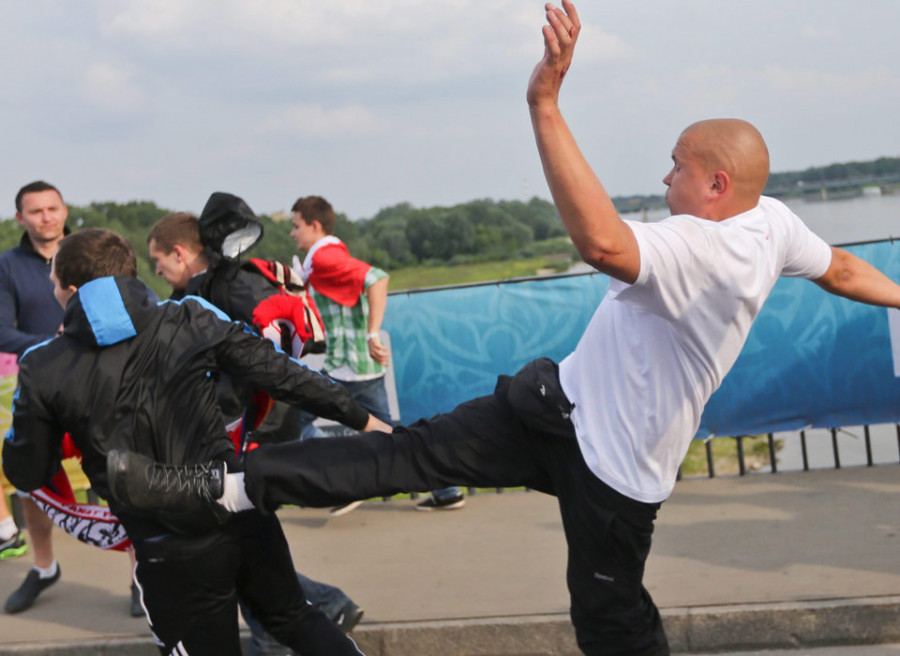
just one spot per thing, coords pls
(370, 336)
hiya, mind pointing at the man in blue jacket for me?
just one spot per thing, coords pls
(28, 315)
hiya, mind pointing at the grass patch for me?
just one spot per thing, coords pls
(725, 458)
(438, 276)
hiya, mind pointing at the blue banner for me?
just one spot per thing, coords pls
(811, 359)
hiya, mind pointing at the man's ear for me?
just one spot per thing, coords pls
(180, 252)
(720, 183)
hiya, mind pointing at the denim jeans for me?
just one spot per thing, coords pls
(307, 428)
(372, 395)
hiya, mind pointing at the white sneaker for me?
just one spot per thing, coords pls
(337, 511)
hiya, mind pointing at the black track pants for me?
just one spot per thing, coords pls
(190, 588)
(518, 436)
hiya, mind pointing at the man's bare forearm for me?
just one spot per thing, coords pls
(854, 278)
(376, 295)
(586, 210)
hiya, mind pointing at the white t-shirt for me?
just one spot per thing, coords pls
(656, 350)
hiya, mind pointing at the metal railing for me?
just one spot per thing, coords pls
(803, 447)
(866, 450)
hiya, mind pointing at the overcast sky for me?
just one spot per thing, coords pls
(376, 102)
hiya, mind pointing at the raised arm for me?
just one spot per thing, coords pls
(603, 240)
(856, 279)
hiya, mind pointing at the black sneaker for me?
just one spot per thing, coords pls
(14, 547)
(24, 597)
(433, 503)
(181, 497)
(348, 617)
(137, 609)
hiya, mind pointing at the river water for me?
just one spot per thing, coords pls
(863, 218)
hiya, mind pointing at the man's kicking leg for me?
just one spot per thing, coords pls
(480, 443)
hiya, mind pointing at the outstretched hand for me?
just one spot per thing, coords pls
(375, 424)
(560, 35)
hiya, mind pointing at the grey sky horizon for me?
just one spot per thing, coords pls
(371, 103)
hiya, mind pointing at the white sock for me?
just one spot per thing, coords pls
(8, 528)
(48, 572)
(235, 497)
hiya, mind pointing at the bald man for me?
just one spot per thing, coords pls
(606, 429)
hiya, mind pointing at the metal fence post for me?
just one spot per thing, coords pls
(773, 460)
(834, 447)
(869, 460)
(803, 450)
(742, 465)
(710, 465)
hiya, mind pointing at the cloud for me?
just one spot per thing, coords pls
(236, 24)
(315, 121)
(169, 97)
(169, 20)
(340, 41)
(598, 46)
(110, 88)
(810, 83)
(820, 33)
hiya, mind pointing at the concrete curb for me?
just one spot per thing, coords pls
(784, 625)
(778, 625)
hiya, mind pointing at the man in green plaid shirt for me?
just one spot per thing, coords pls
(352, 331)
(352, 297)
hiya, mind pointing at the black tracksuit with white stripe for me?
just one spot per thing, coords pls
(128, 373)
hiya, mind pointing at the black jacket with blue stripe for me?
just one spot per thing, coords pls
(130, 373)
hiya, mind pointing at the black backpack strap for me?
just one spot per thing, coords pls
(216, 285)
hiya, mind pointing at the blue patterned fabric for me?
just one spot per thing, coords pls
(811, 359)
(450, 345)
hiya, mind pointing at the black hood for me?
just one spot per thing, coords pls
(228, 227)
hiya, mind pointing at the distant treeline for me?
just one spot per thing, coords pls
(479, 230)
(402, 235)
(882, 167)
(396, 237)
